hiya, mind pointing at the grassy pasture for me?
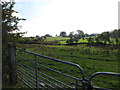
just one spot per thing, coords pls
(91, 59)
(56, 38)
(62, 40)
(80, 41)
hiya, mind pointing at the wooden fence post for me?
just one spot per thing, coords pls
(12, 64)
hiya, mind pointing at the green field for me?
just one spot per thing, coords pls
(62, 40)
(91, 59)
(56, 38)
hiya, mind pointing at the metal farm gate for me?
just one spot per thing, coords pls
(42, 72)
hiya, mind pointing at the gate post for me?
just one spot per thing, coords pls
(12, 64)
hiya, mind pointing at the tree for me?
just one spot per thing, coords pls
(48, 35)
(80, 33)
(90, 41)
(105, 36)
(114, 33)
(118, 33)
(93, 34)
(41, 39)
(25, 39)
(117, 41)
(9, 24)
(86, 35)
(76, 38)
(97, 40)
(71, 40)
(71, 35)
(36, 36)
(63, 34)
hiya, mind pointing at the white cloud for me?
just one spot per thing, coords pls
(91, 16)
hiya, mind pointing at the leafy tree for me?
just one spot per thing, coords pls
(71, 40)
(41, 39)
(118, 33)
(105, 36)
(117, 41)
(71, 35)
(97, 40)
(93, 34)
(9, 24)
(48, 35)
(76, 38)
(114, 33)
(63, 34)
(80, 33)
(86, 35)
(36, 36)
(90, 41)
(44, 37)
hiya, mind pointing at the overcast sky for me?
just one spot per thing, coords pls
(53, 16)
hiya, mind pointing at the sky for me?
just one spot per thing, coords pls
(53, 16)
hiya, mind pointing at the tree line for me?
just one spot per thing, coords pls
(110, 37)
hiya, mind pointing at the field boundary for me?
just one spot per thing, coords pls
(38, 83)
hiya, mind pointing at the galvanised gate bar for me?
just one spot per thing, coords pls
(39, 71)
